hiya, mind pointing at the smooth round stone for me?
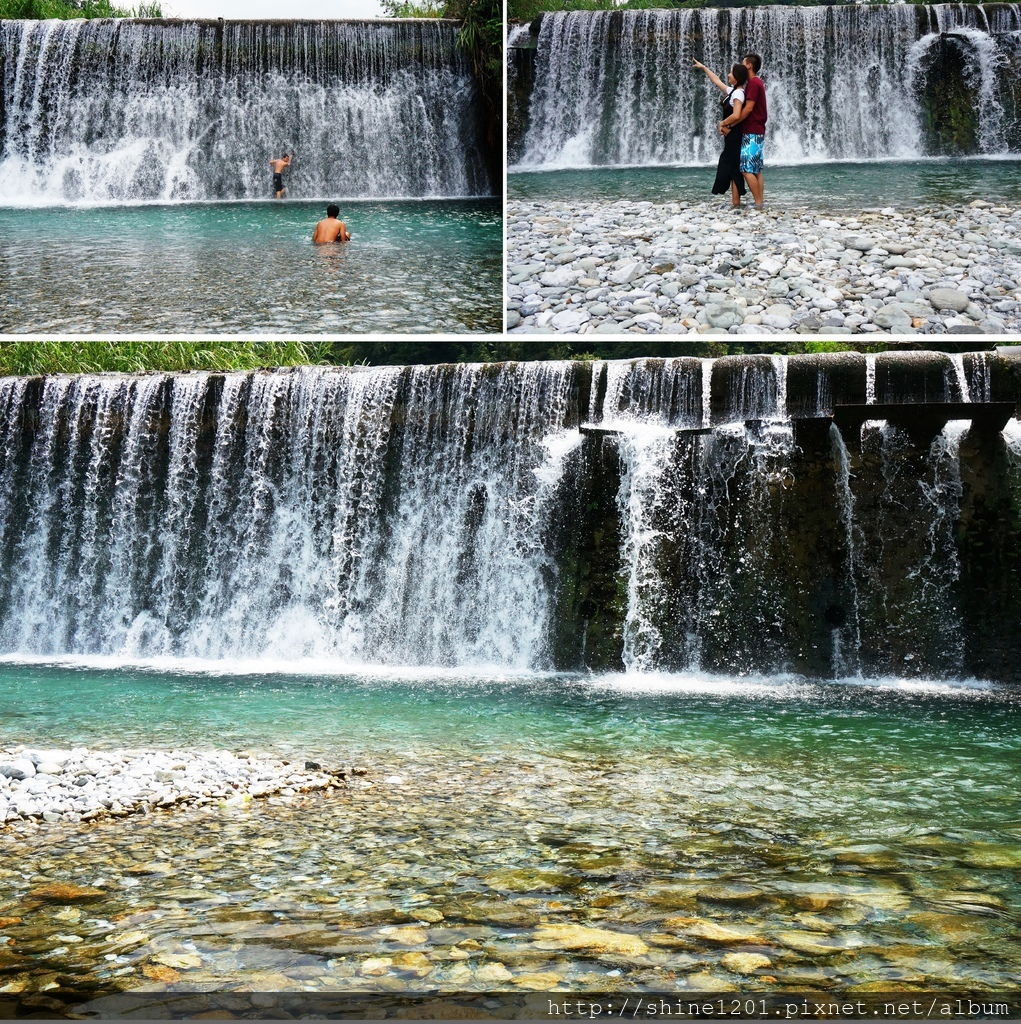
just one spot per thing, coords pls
(745, 963)
(724, 314)
(949, 298)
(17, 768)
(892, 317)
(513, 318)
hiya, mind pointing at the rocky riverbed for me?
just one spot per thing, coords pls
(79, 785)
(503, 871)
(696, 268)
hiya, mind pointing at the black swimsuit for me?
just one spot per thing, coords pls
(278, 182)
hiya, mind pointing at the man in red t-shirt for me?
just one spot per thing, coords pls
(753, 128)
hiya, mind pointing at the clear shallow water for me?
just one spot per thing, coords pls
(849, 833)
(832, 185)
(412, 266)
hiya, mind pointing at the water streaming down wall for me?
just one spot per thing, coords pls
(668, 515)
(189, 110)
(847, 82)
(393, 516)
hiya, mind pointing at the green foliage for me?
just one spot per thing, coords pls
(411, 9)
(23, 358)
(39, 10)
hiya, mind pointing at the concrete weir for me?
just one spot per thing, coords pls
(832, 515)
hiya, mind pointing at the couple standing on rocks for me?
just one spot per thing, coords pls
(743, 129)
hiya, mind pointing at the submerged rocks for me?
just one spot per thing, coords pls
(590, 940)
(590, 267)
(79, 785)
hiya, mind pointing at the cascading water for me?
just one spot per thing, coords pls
(386, 515)
(850, 82)
(654, 515)
(129, 109)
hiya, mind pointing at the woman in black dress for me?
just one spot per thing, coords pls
(728, 171)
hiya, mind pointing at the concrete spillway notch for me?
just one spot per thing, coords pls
(922, 421)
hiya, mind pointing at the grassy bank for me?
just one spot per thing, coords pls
(19, 358)
(40, 10)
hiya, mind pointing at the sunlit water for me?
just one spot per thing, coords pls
(840, 186)
(855, 832)
(411, 267)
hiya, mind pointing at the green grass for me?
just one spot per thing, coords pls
(25, 358)
(40, 10)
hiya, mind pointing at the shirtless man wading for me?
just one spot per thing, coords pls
(329, 229)
(278, 166)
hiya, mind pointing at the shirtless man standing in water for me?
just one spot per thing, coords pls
(278, 166)
(329, 229)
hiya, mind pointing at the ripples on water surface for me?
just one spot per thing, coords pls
(411, 267)
(832, 185)
(848, 833)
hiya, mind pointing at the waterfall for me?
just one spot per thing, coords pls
(842, 665)
(850, 82)
(393, 515)
(114, 110)
(649, 514)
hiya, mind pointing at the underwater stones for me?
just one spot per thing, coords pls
(537, 981)
(734, 893)
(745, 963)
(529, 881)
(590, 940)
(430, 915)
(375, 966)
(66, 892)
(992, 856)
(407, 936)
(492, 974)
(811, 943)
(161, 973)
(414, 963)
(709, 931)
(703, 982)
(489, 912)
(949, 929)
(178, 961)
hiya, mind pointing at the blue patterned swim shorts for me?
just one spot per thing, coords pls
(751, 153)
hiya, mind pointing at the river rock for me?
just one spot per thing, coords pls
(949, 298)
(724, 314)
(892, 316)
(66, 892)
(19, 768)
(628, 272)
(812, 943)
(710, 931)
(570, 320)
(745, 963)
(591, 940)
(492, 974)
(563, 277)
(667, 260)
